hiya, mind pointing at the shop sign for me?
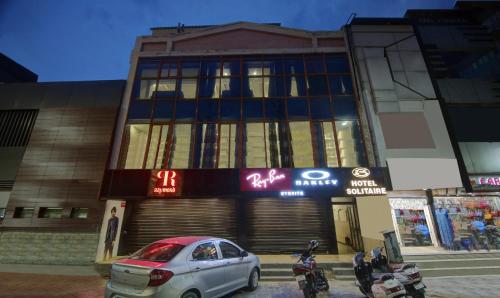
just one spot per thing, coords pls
(264, 179)
(292, 193)
(485, 182)
(314, 179)
(359, 186)
(165, 183)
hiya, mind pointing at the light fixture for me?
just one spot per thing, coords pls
(344, 123)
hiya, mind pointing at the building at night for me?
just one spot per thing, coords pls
(252, 132)
(13, 72)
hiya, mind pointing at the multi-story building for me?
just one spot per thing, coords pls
(461, 48)
(247, 131)
(54, 144)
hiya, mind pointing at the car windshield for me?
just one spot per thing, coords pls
(157, 252)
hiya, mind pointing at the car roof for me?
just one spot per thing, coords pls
(185, 240)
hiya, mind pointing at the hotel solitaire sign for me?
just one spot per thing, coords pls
(359, 186)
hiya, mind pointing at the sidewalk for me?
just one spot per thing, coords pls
(49, 269)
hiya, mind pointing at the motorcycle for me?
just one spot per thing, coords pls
(311, 279)
(408, 274)
(375, 285)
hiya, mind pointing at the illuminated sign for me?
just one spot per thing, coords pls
(294, 193)
(363, 187)
(495, 181)
(264, 179)
(164, 183)
(314, 178)
(486, 183)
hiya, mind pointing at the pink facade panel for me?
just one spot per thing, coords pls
(242, 39)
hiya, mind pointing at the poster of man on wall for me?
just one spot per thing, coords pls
(110, 230)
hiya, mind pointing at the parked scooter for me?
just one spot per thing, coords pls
(375, 285)
(408, 274)
(311, 279)
(493, 237)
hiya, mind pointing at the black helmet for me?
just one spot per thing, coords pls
(313, 244)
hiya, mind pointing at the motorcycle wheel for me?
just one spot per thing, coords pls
(308, 293)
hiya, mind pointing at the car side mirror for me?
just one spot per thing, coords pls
(243, 254)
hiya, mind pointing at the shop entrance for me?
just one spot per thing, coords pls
(346, 222)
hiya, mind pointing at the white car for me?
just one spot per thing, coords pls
(184, 267)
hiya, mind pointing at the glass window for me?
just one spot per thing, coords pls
(153, 146)
(255, 87)
(252, 109)
(228, 250)
(147, 87)
(188, 88)
(325, 144)
(315, 65)
(164, 109)
(135, 145)
(23, 212)
(231, 68)
(210, 68)
(273, 67)
(180, 148)
(139, 109)
(277, 149)
(148, 70)
(207, 135)
(337, 64)
(185, 110)
(255, 148)
(320, 108)
(300, 139)
(227, 150)
(160, 159)
(316, 85)
(208, 109)
(209, 87)
(190, 69)
(344, 108)
(294, 66)
(297, 108)
(350, 144)
(341, 85)
(274, 87)
(253, 68)
(205, 252)
(275, 109)
(2, 214)
(79, 213)
(230, 87)
(169, 70)
(230, 109)
(295, 86)
(166, 89)
(48, 212)
(157, 252)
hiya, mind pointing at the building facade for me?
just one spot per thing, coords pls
(54, 144)
(247, 131)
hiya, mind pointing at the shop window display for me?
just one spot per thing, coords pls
(413, 227)
(468, 223)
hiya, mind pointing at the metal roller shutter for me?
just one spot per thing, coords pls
(286, 225)
(152, 220)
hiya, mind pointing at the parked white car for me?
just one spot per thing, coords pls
(184, 267)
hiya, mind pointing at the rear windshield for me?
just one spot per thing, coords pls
(157, 252)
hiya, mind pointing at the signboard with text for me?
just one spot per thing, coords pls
(485, 182)
(165, 183)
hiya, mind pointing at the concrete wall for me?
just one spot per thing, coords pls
(374, 217)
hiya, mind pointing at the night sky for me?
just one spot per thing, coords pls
(93, 39)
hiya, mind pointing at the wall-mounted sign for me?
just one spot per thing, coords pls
(292, 193)
(485, 182)
(264, 179)
(312, 178)
(164, 183)
(362, 187)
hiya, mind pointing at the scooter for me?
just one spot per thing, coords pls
(311, 279)
(408, 274)
(493, 237)
(375, 285)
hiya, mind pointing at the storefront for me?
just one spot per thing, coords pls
(264, 210)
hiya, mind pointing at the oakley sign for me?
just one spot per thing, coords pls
(314, 178)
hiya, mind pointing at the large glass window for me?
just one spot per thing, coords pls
(350, 145)
(136, 141)
(180, 147)
(300, 139)
(325, 144)
(255, 146)
(227, 150)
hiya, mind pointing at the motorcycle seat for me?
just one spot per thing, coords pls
(300, 266)
(376, 276)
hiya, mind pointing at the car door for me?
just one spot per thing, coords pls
(236, 267)
(207, 269)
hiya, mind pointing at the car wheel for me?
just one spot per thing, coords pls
(190, 294)
(253, 280)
